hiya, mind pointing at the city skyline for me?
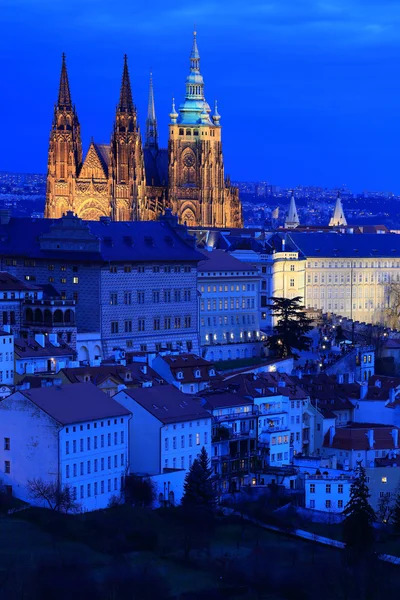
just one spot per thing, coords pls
(314, 87)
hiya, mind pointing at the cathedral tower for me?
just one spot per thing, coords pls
(127, 176)
(65, 152)
(338, 219)
(292, 219)
(197, 191)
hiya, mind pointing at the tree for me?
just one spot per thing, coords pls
(198, 486)
(359, 515)
(396, 514)
(57, 497)
(139, 491)
(291, 327)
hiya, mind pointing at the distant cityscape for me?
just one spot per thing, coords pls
(25, 195)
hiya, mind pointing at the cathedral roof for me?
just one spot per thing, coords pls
(96, 162)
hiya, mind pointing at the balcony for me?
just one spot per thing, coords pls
(236, 416)
(267, 429)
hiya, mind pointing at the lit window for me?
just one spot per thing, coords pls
(75, 280)
(384, 479)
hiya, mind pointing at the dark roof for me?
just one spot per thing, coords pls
(336, 245)
(221, 260)
(10, 283)
(134, 241)
(103, 152)
(223, 399)
(247, 384)
(29, 348)
(156, 167)
(188, 364)
(75, 404)
(168, 404)
(117, 372)
(355, 437)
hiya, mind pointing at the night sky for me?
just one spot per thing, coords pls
(309, 92)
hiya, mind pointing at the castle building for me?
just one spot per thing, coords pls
(126, 180)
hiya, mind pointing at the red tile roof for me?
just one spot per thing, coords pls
(75, 403)
(355, 437)
(188, 364)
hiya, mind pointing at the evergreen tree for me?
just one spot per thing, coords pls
(359, 515)
(396, 514)
(198, 487)
(291, 328)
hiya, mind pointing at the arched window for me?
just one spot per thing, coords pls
(38, 316)
(181, 132)
(47, 316)
(188, 132)
(58, 316)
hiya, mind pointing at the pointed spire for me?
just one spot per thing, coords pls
(338, 219)
(64, 94)
(151, 121)
(125, 98)
(195, 55)
(292, 220)
(216, 116)
(173, 115)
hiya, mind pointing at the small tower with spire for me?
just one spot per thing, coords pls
(65, 151)
(292, 220)
(338, 219)
(151, 121)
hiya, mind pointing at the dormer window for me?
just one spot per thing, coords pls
(86, 378)
(197, 373)
(212, 372)
(179, 375)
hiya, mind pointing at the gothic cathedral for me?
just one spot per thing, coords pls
(126, 181)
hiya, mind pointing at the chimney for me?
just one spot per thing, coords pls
(6, 328)
(363, 390)
(392, 395)
(53, 339)
(351, 377)
(371, 440)
(331, 434)
(395, 435)
(339, 377)
(143, 368)
(40, 339)
(378, 383)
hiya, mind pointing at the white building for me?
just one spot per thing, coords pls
(188, 372)
(6, 356)
(229, 307)
(167, 431)
(42, 354)
(73, 435)
(326, 493)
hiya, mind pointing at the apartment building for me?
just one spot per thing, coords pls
(167, 431)
(74, 436)
(188, 372)
(229, 307)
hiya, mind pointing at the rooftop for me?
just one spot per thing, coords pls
(337, 245)
(219, 260)
(168, 404)
(9, 283)
(28, 348)
(75, 404)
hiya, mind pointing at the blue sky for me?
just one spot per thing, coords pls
(309, 92)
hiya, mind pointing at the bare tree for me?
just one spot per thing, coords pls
(391, 312)
(60, 498)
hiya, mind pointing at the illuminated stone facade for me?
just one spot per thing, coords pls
(126, 181)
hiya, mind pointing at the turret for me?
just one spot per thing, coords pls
(292, 220)
(338, 219)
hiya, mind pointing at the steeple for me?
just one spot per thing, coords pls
(125, 98)
(151, 121)
(64, 94)
(338, 218)
(292, 220)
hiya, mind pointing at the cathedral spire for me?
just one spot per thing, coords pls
(125, 98)
(195, 55)
(338, 218)
(64, 94)
(151, 121)
(292, 220)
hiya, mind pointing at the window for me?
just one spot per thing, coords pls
(340, 503)
(312, 503)
(327, 504)
(182, 441)
(187, 322)
(156, 296)
(127, 298)
(122, 437)
(6, 443)
(197, 439)
(109, 439)
(67, 471)
(75, 280)
(122, 460)
(102, 441)
(74, 470)
(113, 269)
(177, 323)
(115, 461)
(81, 468)
(102, 464)
(312, 488)
(66, 447)
(128, 326)
(95, 465)
(102, 487)
(89, 490)
(88, 443)
(340, 488)
(127, 269)
(114, 326)
(190, 440)
(328, 488)
(81, 493)
(89, 467)
(292, 283)
(7, 466)
(141, 325)
(384, 479)
(140, 296)
(156, 324)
